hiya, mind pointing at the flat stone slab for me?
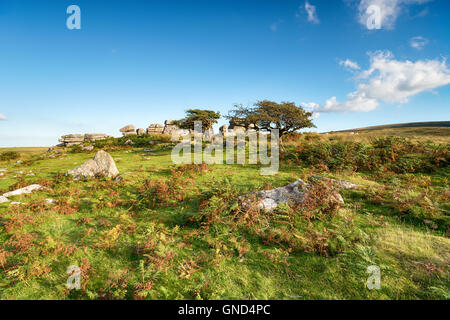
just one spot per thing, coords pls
(128, 128)
(73, 136)
(24, 190)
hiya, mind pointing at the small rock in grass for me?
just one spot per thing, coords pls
(3, 199)
(24, 190)
(15, 203)
(87, 148)
(50, 201)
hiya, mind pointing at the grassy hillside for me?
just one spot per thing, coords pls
(438, 132)
(430, 124)
(177, 232)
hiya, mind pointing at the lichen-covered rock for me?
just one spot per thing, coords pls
(102, 165)
(71, 139)
(106, 164)
(170, 127)
(268, 200)
(18, 192)
(95, 136)
(88, 169)
(294, 193)
(140, 132)
(128, 128)
(155, 128)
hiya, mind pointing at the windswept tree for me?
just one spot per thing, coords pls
(268, 115)
(207, 117)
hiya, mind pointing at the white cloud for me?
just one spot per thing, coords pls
(356, 101)
(389, 80)
(312, 13)
(389, 10)
(349, 64)
(418, 42)
(311, 106)
(2, 117)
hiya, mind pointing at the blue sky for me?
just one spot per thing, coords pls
(142, 62)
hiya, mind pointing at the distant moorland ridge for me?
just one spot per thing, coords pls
(441, 124)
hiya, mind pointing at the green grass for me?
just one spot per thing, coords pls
(134, 244)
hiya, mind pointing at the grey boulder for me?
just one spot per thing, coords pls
(102, 165)
(268, 200)
(95, 136)
(294, 193)
(128, 128)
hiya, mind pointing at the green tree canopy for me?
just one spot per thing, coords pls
(267, 115)
(207, 117)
